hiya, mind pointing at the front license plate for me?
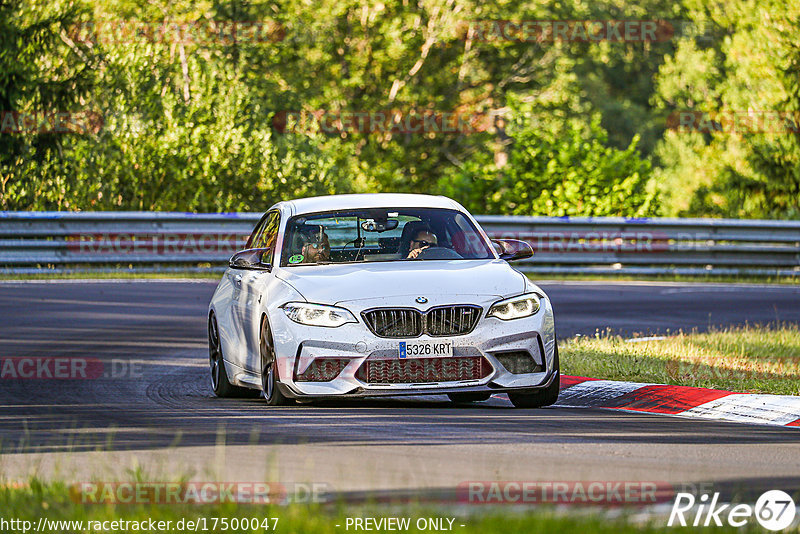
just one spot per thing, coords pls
(426, 349)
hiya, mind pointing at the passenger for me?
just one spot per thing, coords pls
(315, 245)
(423, 239)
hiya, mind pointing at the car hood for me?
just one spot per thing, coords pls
(332, 284)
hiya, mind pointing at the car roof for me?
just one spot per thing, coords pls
(367, 200)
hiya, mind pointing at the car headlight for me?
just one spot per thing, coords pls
(515, 307)
(317, 314)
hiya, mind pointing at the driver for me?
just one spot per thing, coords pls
(316, 247)
(423, 239)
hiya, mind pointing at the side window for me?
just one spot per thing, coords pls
(465, 240)
(256, 231)
(267, 234)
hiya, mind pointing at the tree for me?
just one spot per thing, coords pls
(42, 73)
(558, 168)
(746, 79)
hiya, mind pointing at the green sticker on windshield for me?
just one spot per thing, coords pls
(297, 258)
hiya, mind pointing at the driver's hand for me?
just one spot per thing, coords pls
(416, 252)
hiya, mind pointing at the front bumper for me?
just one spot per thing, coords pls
(297, 346)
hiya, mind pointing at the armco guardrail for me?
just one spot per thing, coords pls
(142, 241)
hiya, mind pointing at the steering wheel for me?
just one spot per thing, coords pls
(439, 253)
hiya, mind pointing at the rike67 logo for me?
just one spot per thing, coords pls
(774, 510)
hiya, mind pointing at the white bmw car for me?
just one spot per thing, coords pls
(380, 294)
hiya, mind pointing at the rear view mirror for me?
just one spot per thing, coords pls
(379, 225)
(254, 259)
(512, 249)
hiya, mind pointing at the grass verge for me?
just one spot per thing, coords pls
(30, 502)
(750, 359)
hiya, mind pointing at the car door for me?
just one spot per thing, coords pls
(249, 286)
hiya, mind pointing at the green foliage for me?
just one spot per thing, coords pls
(181, 132)
(55, 501)
(577, 127)
(38, 71)
(558, 168)
(752, 66)
(749, 359)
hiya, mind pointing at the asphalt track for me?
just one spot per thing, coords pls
(161, 420)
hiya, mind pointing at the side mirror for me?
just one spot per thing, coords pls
(251, 259)
(512, 249)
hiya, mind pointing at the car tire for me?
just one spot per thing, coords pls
(469, 397)
(219, 376)
(269, 368)
(541, 397)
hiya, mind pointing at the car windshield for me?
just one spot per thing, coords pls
(380, 235)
